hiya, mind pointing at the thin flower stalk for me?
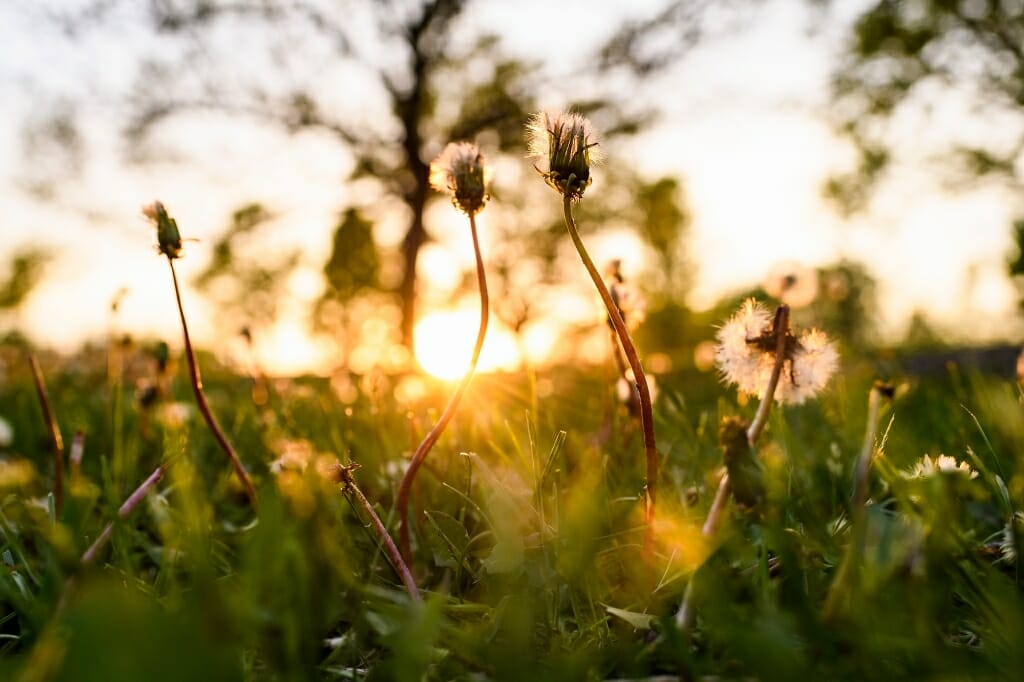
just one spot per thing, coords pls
(204, 407)
(399, 564)
(56, 441)
(169, 244)
(462, 172)
(849, 570)
(126, 508)
(640, 378)
(565, 146)
(404, 490)
(686, 613)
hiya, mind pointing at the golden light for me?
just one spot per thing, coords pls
(444, 344)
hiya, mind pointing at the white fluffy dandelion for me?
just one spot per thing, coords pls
(943, 464)
(745, 355)
(462, 171)
(565, 146)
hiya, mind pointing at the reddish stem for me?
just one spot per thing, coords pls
(126, 508)
(639, 377)
(402, 501)
(204, 407)
(400, 566)
(56, 441)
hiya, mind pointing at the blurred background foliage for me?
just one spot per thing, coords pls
(528, 546)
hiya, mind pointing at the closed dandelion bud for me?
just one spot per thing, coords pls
(565, 145)
(168, 238)
(746, 473)
(462, 171)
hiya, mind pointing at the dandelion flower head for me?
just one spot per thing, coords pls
(943, 464)
(745, 355)
(565, 145)
(462, 171)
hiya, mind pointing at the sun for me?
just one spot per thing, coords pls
(444, 344)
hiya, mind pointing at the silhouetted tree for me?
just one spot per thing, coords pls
(905, 54)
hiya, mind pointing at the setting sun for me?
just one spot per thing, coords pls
(444, 344)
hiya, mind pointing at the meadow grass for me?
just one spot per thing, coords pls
(528, 533)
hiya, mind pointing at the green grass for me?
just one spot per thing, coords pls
(528, 535)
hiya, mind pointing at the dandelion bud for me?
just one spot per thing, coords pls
(168, 237)
(462, 171)
(565, 145)
(746, 473)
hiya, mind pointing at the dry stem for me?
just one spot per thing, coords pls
(56, 441)
(126, 508)
(400, 566)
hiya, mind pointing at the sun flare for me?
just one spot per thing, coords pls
(444, 344)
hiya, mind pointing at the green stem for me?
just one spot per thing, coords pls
(849, 571)
(204, 407)
(402, 501)
(686, 613)
(639, 377)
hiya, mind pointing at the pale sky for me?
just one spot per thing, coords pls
(743, 126)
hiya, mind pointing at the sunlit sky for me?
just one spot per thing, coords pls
(743, 125)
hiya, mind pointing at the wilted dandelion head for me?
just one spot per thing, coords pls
(565, 146)
(943, 464)
(745, 355)
(462, 171)
(792, 284)
(168, 238)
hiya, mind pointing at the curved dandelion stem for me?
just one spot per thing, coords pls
(402, 501)
(125, 509)
(686, 613)
(204, 407)
(56, 441)
(401, 567)
(639, 377)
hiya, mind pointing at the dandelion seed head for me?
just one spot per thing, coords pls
(943, 464)
(565, 146)
(738, 362)
(462, 171)
(793, 284)
(814, 363)
(744, 359)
